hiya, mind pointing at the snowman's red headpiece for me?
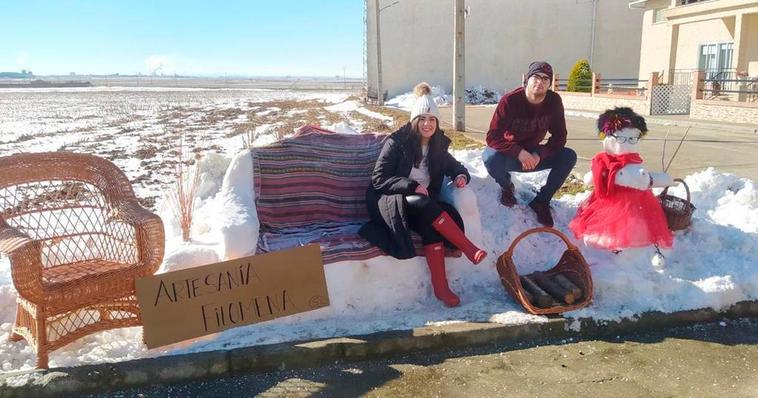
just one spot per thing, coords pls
(617, 119)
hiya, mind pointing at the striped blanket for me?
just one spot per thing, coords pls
(311, 188)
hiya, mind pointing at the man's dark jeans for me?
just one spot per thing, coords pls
(560, 164)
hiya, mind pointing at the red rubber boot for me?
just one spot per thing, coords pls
(445, 225)
(435, 258)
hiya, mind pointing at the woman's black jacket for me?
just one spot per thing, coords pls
(388, 228)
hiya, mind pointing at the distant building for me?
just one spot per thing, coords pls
(24, 74)
(717, 36)
(502, 37)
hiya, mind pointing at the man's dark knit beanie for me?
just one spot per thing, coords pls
(540, 67)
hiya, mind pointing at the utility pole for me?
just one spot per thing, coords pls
(459, 67)
(379, 89)
(592, 37)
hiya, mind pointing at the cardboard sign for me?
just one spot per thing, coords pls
(194, 302)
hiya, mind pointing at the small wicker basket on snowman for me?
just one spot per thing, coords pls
(622, 212)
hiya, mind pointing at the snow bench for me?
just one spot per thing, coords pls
(310, 188)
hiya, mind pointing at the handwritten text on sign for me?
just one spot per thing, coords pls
(194, 302)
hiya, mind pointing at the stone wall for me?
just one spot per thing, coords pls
(601, 102)
(724, 111)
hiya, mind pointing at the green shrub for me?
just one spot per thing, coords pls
(580, 78)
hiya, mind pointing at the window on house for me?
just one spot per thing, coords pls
(715, 58)
(683, 2)
(658, 15)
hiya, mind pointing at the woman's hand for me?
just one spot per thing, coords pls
(421, 190)
(460, 181)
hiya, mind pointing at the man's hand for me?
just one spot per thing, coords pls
(460, 181)
(421, 190)
(528, 160)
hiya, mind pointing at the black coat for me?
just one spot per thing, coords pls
(388, 228)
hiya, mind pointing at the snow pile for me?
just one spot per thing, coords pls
(480, 95)
(406, 101)
(711, 265)
(477, 95)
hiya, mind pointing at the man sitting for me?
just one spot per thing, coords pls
(520, 123)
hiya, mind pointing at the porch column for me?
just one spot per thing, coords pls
(672, 51)
(739, 57)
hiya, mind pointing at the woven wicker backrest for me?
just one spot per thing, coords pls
(65, 201)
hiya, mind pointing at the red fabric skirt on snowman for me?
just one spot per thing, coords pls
(615, 217)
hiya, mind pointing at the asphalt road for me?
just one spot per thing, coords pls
(726, 147)
(710, 360)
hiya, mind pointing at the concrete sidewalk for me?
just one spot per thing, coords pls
(478, 119)
(198, 366)
(728, 147)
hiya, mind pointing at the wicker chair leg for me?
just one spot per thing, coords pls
(41, 341)
(42, 358)
(13, 335)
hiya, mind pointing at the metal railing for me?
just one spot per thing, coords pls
(729, 85)
(619, 86)
(622, 86)
(678, 77)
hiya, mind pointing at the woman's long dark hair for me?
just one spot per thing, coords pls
(435, 142)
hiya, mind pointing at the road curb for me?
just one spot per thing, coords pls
(187, 367)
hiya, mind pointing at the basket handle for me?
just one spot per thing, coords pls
(538, 230)
(686, 188)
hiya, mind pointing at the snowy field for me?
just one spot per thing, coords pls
(711, 265)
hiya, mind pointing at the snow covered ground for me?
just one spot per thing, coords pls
(711, 265)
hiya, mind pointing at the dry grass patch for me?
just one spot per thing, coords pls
(572, 186)
(146, 152)
(371, 124)
(220, 115)
(460, 140)
(289, 105)
(399, 117)
(311, 112)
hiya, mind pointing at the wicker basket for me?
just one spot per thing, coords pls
(572, 265)
(678, 211)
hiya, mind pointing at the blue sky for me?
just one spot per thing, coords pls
(254, 37)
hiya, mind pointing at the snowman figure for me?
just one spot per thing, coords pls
(622, 212)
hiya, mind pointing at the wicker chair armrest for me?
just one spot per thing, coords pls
(25, 258)
(150, 233)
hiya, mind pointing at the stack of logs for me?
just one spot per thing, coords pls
(546, 291)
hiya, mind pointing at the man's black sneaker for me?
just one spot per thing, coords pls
(543, 212)
(507, 197)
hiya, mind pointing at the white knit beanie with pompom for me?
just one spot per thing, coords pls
(424, 102)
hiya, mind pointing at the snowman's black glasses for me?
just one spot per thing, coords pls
(621, 140)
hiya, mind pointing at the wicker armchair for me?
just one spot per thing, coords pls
(76, 238)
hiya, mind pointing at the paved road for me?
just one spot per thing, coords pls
(711, 360)
(727, 147)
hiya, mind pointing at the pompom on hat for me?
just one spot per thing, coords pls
(424, 104)
(617, 119)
